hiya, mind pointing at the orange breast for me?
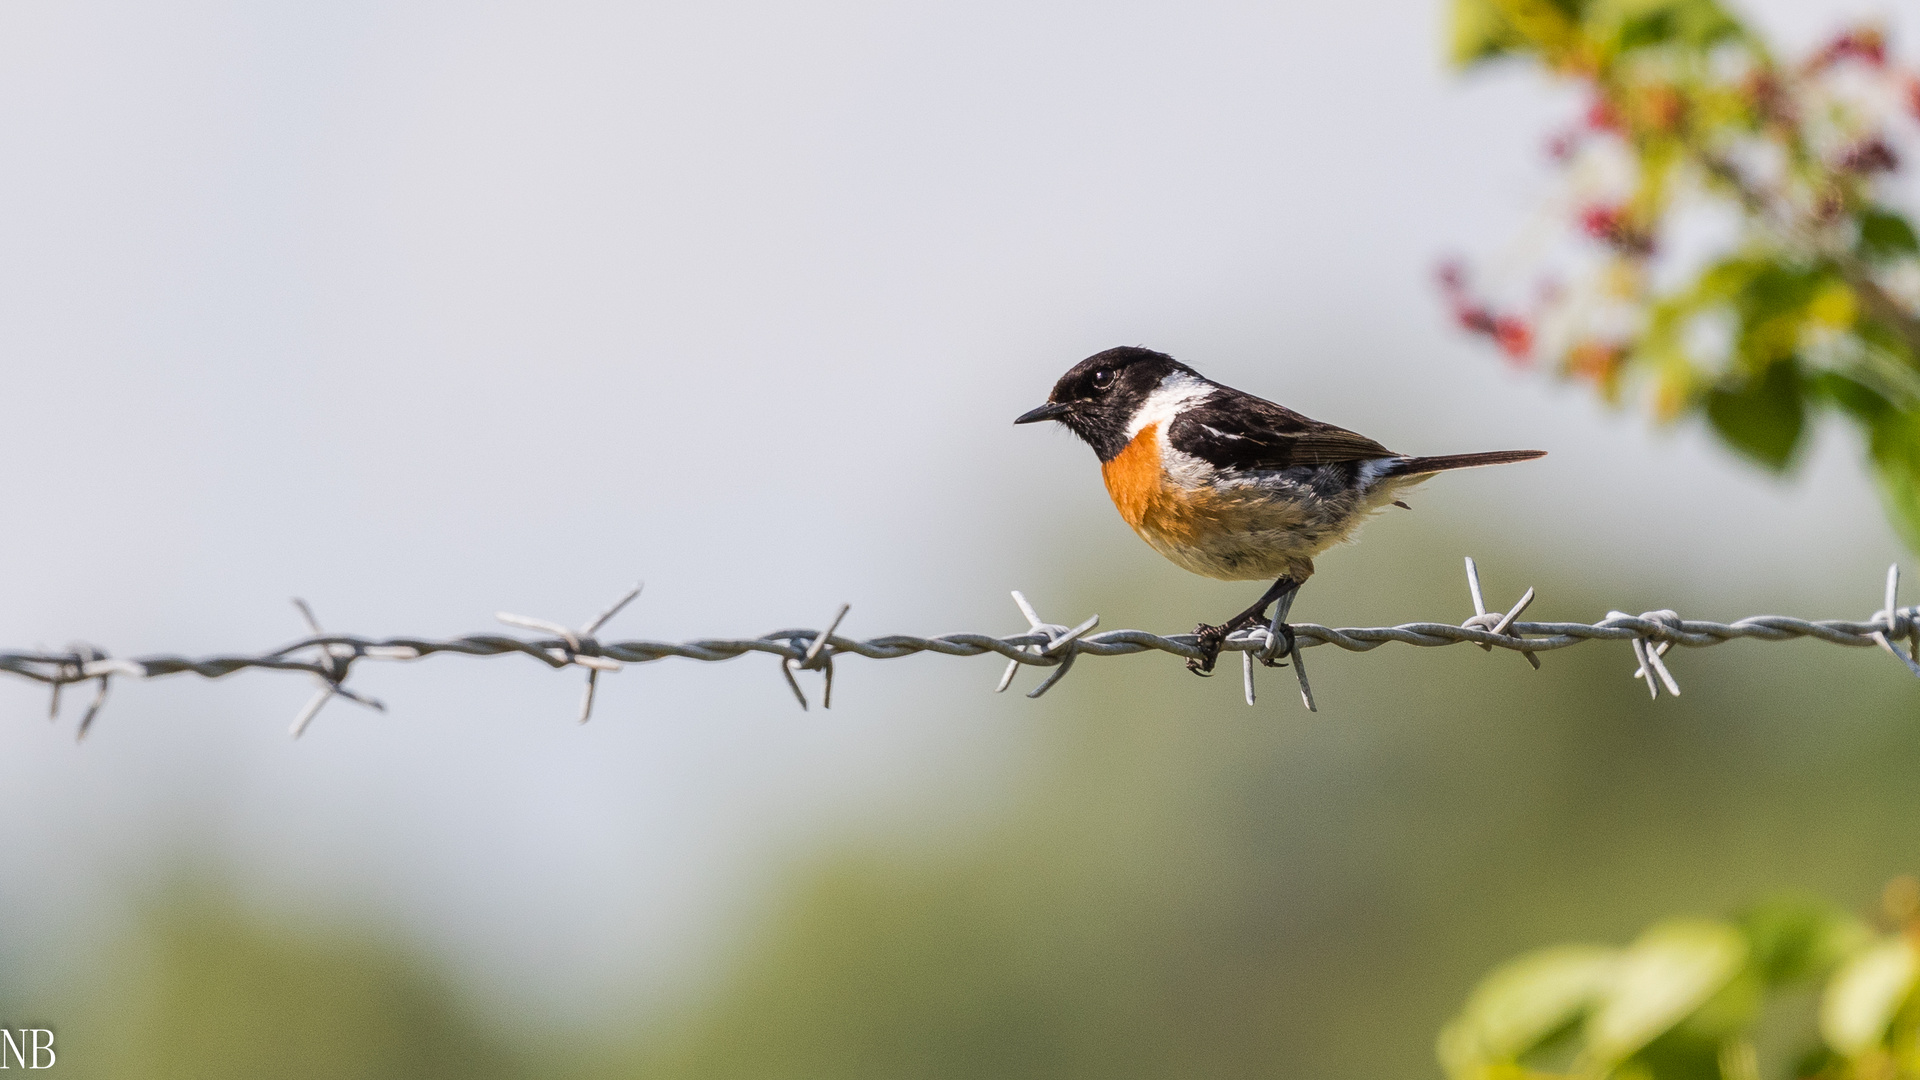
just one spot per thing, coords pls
(1160, 512)
(1236, 533)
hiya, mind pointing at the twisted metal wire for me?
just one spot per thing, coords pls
(328, 658)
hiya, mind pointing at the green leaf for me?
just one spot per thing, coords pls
(1774, 299)
(1895, 448)
(1817, 1060)
(1661, 979)
(1727, 1014)
(1477, 30)
(1523, 1003)
(1864, 995)
(1860, 401)
(1695, 23)
(1887, 338)
(1792, 938)
(1704, 23)
(1729, 277)
(1886, 235)
(1654, 27)
(1762, 417)
(1677, 1055)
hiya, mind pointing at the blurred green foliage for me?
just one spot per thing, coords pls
(1809, 306)
(1811, 303)
(1687, 1000)
(204, 990)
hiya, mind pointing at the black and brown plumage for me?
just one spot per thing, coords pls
(1226, 484)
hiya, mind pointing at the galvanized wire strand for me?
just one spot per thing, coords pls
(328, 658)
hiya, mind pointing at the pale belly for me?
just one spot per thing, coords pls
(1244, 535)
(1255, 527)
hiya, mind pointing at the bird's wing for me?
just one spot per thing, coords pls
(1237, 430)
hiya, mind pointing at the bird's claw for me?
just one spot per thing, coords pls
(1210, 640)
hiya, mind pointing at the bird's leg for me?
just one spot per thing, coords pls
(1280, 624)
(1212, 637)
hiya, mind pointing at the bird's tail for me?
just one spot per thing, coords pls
(1420, 466)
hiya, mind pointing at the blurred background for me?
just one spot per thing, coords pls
(421, 311)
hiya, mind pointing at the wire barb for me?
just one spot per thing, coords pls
(1899, 623)
(82, 663)
(1306, 691)
(818, 657)
(333, 660)
(1270, 641)
(1648, 652)
(1495, 624)
(578, 648)
(1055, 638)
(1265, 643)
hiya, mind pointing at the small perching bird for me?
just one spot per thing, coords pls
(1226, 484)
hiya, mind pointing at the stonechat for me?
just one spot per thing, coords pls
(1226, 484)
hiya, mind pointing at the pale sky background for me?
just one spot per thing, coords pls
(427, 310)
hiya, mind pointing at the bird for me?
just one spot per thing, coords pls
(1228, 485)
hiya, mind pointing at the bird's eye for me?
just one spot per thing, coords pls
(1103, 379)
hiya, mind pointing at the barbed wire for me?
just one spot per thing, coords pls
(329, 658)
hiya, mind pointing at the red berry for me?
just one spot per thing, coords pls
(1866, 44)
(1600, 222)
(1514, 335)
(1869, 156)
(1475, 318)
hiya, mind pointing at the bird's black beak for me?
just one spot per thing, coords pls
(1052, 410)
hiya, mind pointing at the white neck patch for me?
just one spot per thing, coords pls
(1175, 392)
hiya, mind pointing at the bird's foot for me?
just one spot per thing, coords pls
(1210, 640)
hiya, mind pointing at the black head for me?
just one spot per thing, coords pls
(1096, 400)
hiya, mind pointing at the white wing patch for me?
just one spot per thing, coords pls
(1174, 392)
(1371, 471)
